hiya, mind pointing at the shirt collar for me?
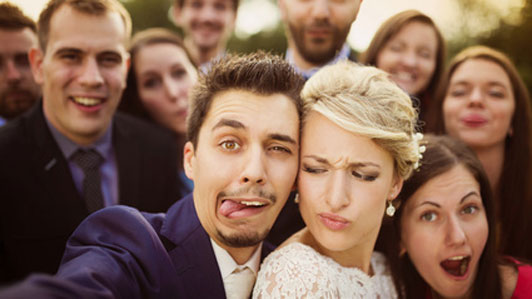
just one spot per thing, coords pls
(68, 147)
(227, 264)
(342, 55)
(206, 66)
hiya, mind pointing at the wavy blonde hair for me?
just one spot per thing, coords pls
(364, 101)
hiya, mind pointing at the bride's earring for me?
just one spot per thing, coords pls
(390, 210)
(296, 198)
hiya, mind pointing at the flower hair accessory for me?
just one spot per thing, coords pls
(418, 137)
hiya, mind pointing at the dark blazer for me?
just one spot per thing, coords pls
(119, 252)
(39, 204)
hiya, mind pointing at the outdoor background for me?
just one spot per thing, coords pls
(505, 25)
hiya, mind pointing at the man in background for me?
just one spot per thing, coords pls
(207, 26)
(317, 31)
(18, 90)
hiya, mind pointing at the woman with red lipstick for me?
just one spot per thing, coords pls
(158, 82)
(358, 144)
(440, 244)
(410, 47)
(484, 102)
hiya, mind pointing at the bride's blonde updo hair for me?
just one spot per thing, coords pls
(364, 101)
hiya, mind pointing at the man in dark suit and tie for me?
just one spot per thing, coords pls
(71, 154)
(242, 155)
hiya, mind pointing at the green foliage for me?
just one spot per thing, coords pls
(515, 40)
(273, 41)
(149, 13)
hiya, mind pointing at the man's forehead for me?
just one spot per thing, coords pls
(111, 23)
(238, 109)
(21, 36)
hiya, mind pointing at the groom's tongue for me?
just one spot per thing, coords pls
(234, 209)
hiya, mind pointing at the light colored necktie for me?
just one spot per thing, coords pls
(239, 283)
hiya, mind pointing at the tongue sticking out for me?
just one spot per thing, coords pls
(456, 267)
(234, 209)
(228, 207)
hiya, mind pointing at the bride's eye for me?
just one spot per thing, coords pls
(315, 170)
(364, 177)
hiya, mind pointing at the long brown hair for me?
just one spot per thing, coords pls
(392, 27)
(442, 154)
(514, 198)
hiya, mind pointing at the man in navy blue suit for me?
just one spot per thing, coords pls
(242, 155)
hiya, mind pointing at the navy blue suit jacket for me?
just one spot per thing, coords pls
(119, 252)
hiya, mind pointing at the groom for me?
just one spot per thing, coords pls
(242, 155)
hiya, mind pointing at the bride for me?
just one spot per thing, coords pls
(358, 145)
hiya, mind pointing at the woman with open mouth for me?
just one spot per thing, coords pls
(441, 243)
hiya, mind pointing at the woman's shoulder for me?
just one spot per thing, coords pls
(293, 254)
(516, 279)
(291, 271)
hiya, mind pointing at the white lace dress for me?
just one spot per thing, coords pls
(298, 271)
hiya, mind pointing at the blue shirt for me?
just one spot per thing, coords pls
(342, 55)
(108, 169)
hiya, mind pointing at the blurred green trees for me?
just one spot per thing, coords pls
(512, 36)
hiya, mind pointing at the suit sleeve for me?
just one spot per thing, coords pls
(114, 253)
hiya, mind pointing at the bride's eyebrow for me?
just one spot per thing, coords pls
(350, 165)
(318, 159)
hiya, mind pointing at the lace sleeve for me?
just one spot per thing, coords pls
(291, 272)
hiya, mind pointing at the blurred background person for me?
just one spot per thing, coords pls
(484, 102)
(207, 26)
(18, 89)
(158, 83)
(316, 31)
(443, 245)
(410, 47)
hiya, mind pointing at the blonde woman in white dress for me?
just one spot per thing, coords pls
(358, 145)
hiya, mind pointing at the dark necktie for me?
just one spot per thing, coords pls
(89, 161)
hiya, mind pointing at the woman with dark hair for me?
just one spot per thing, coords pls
(410, 47)
(484, 102)
(158, 84)
(442, 243)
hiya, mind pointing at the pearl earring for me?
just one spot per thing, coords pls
(296, 198)
(390, 210)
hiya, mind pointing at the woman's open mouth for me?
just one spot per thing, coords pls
(457, 265)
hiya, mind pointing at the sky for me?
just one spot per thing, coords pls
(256, 15)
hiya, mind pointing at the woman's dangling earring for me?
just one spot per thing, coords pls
(296, 198)
(390, 210)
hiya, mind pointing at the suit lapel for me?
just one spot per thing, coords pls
(54, 176)
(129, 161)
(193, 257)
